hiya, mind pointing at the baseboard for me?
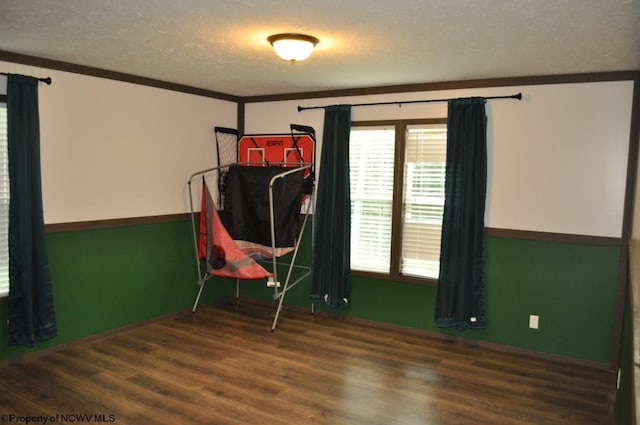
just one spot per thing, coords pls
(409, 331)
(337, 316)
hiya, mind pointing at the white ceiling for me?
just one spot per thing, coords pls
(221, 45)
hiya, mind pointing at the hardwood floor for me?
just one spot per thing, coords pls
(223, 365)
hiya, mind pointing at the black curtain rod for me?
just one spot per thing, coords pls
(406, 102)
(46, 80)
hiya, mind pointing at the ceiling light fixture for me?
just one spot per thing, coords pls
(293, 47)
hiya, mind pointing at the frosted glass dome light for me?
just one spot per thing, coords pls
(293, 47)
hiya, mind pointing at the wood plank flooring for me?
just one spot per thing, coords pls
(223, 365)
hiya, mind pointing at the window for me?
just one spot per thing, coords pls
(4, 203)
(397, 172)
(371, 163)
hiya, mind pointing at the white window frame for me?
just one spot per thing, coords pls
(402, 266)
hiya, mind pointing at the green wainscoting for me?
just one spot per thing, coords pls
(571, 287)
(109, 278)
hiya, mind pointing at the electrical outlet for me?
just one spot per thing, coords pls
(533, 321)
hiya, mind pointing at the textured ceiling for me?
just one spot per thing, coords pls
(221, 45)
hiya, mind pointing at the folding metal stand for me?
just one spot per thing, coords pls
(289, 282)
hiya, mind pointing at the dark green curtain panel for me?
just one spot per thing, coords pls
(460, 293)
(331, 279)
(30, 306)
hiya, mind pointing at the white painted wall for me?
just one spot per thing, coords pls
(116, 150)
(557, 159)
(110, 149)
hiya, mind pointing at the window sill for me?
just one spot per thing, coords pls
(396, 278)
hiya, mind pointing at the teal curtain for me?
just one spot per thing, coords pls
(460, 292)
(331, 279)
(31, 313)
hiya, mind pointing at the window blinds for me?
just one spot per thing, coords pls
(4, 204)
(371, 179)
(425, 163)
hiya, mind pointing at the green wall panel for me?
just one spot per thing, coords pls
(571, 287)
(108, 278)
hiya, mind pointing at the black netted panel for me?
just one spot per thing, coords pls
(246, 205)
